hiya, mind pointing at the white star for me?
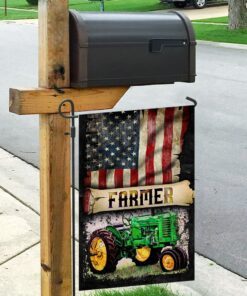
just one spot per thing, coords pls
(106, 149)
(129, 149)
(112, 153)
(133, 153)
(135, 121)
(117, 148)
(129, 138)
(129, 159)
(129, 116)
(129, 127)
(123, 163)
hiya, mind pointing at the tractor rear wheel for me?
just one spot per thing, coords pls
(102, 252)
(146, 256)
(169, 260)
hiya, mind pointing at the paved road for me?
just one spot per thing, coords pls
(221, 135)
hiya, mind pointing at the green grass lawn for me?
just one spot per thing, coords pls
(220, 34)
(84, 5)
(147, 291)
(221, 20)
(18, 15)
(208, 32)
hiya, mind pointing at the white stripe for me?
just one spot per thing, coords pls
(110, 180)
(95, 179)
(176, 144)
(126, 178)
(142, 147)
(159, 140)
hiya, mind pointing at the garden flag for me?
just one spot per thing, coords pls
(136, 181)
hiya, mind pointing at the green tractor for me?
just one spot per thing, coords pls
(145, 239)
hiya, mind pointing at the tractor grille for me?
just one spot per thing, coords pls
(166, 227)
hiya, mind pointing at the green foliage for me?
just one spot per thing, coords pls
(148, 290)
(32, 2)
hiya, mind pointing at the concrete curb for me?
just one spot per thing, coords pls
(222, 44)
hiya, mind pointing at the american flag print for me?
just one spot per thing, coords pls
(133, 148)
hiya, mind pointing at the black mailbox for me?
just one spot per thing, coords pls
(108, 49)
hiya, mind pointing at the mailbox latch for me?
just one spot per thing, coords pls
(158, 45)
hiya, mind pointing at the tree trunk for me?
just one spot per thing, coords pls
(237, 14)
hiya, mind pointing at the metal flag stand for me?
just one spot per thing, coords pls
(72, 134)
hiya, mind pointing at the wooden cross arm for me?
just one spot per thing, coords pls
(46, 101)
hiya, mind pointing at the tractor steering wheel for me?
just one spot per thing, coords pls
(126, 221)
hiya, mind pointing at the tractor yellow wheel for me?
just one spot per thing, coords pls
(142, 254)
(98, 254)
(102, 252)
(146, 256)
(169, 260)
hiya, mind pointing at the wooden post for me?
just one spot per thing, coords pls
(55, 204)
(56, 277)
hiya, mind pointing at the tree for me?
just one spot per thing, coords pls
(237, 14)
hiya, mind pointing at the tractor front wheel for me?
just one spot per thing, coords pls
(102, 252)
(169, 260)
(173, 259)
(146, 256)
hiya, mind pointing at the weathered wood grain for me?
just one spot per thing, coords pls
(43, 101)
(55, 207)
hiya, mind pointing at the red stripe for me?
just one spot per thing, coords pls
(87, 179)
(118, 178)
(86, 201)
(185, 123)
(167, 146)
(102, 179)
(133, 177)
(150, 147)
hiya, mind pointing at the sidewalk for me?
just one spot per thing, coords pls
(19, 241)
